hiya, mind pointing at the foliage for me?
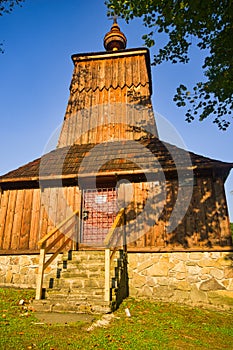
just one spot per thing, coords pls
(6, 7)
(207, 24)
(151, 326)
(231, 228)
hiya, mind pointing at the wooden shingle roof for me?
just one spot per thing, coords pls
(121, 157)
(104, 70)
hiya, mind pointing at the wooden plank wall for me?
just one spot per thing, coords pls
(26, 215)
(204, 226)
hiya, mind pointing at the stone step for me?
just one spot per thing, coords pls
(79, 282)
(67, 292)
(84, 255)
(79, 264)
(81, 275)
(91, 297)
(71, 306)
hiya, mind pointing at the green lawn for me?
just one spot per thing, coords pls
(151, 326)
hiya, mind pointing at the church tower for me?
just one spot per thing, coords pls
(112, 191)
(107, 91)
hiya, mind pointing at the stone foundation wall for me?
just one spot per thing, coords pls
(20, 271)
(196, 278)
(188, 277)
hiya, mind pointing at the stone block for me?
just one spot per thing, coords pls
(226, 283)
(204, 277)
(181, 296)
(133, 291)
(133, 264)
(8, 277)
(193, 279)
(165, 259)
(18, 279)
(217, 273)
(180, 267)
(214, 255)
(211, 284)
(195, 255)
(24, 260)
(228, 272)
(162, 281)
(139, 281)
(208, 262)
(160, 269)
(145, 265)
(180, 275)
(24, 270)
(183, 285)
(15, 269)
(205, 271)
(193, 270)
(180, 256)
(77, 284)
(163, 293)
(152, 281)
(197, 296)
(90, 283)
(14, 260)
(230, 286)
(146, 292)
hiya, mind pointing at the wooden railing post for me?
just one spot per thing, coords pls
(107, 275)
(109, 239)
(40, 276)
(44, 249)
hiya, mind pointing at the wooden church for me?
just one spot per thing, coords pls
(110, 189)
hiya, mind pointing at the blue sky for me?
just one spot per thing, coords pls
(36, 70)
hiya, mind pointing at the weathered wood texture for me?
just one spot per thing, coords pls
(204, 226)
(109, 99)
(28, 214)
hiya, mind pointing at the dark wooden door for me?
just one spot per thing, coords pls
(99, 210)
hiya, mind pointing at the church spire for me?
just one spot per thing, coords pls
(115, 39)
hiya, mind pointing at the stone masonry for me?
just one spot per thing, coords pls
(20, 271)
(197, 278)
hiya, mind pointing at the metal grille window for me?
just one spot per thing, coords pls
(99, 210)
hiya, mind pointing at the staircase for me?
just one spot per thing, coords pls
(79, 284)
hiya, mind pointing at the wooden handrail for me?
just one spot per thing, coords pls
(50, 234)
(117, 223)
(44, 249)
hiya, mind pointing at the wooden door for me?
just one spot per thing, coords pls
(99, 210)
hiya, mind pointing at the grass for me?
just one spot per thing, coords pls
(151, 326)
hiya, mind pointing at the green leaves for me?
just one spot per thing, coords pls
(7, 6)
(202, 103)
(210, 23)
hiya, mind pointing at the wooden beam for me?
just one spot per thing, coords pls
(40, 276)
(50, 234)
(107, 275)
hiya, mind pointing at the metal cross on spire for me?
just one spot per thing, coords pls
(114, 18)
